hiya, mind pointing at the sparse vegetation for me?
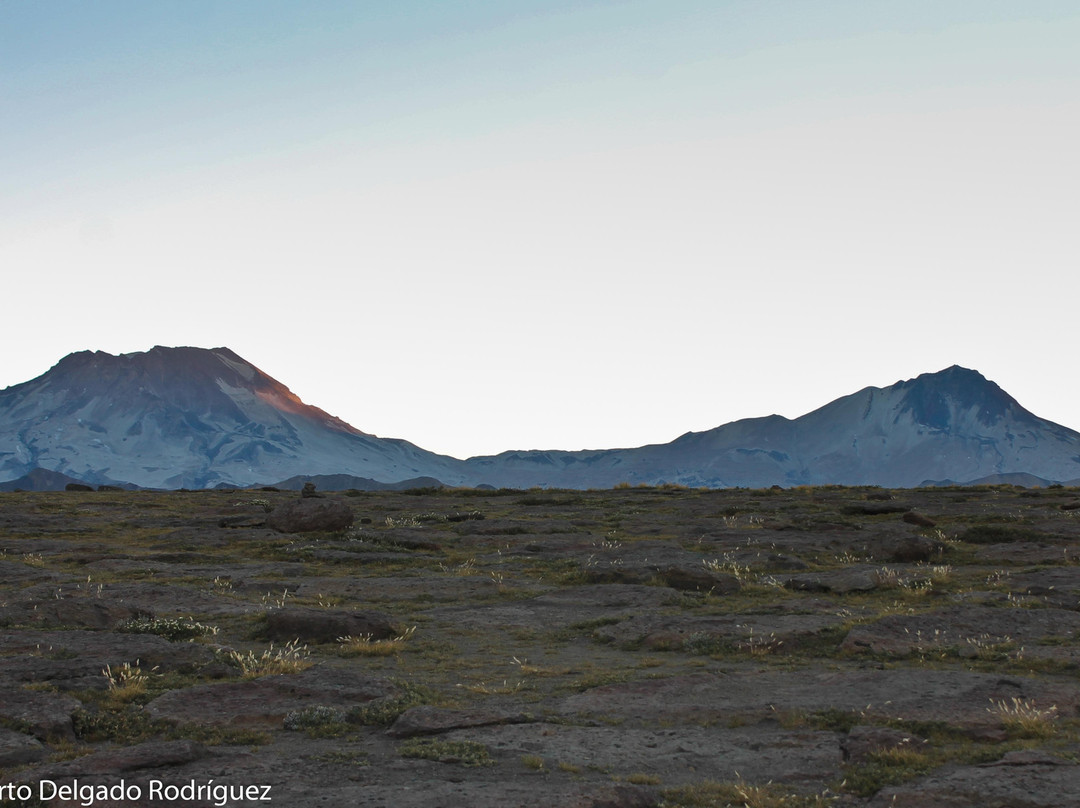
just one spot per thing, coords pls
(169, 628)
(126, 682)
(542, 623)
(365, 645)
(1025, 719)
(464, 753)
(289, 658)
(740, 794)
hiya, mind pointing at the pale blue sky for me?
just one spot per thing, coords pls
(491, 225)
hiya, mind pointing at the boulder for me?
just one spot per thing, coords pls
(17, 749)
(45, 715)
(912, 549)
(618, 575)
(915, 518)
(310, 515)
(699, 580)
(311, 625)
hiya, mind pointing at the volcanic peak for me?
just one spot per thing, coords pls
(934, 398)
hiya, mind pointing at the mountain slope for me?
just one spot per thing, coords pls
(195, 418)
(184, 417)
(948, 425)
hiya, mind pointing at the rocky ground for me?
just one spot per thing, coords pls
(629, 647)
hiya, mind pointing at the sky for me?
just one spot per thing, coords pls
(487, 225)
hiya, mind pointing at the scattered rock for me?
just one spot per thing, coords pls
(309, 492)
(310, 515)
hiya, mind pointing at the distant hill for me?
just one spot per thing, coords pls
(40, 480)
(346, 482)
(206, 418)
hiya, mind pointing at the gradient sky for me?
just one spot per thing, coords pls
(484, 225)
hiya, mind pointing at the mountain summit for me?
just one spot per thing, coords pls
(183, 417)
(952, 425)
(195, 418)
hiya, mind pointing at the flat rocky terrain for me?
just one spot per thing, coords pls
(582, 649)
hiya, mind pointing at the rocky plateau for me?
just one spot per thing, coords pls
(639, 646)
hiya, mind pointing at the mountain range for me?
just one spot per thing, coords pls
(200, 418)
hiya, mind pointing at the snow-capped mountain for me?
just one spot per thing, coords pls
(185, 418)
(194, 418)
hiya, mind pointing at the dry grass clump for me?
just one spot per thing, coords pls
(497, 689)
(464, 753)
(290, 658)
(127, 682)
(466, 567)
(1024, 718)
(365, 645)
(760, 645)
(170, 628)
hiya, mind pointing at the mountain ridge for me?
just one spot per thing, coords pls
(198, 418)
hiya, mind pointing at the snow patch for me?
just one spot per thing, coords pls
(243, 368)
